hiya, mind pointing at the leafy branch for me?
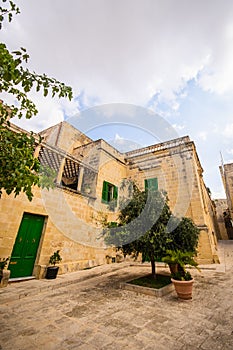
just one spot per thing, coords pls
(19, 170)
(8, 12)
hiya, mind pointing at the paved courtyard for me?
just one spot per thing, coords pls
(87, 310)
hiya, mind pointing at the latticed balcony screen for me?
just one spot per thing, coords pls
(51, 158)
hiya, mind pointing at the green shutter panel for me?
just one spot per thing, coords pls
(154, 184)
(151, 184)
(105, 192)
(113, 224)
(115, 192)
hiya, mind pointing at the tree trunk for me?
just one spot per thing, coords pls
(152, 260)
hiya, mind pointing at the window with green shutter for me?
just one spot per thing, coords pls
(151, 184)
(109, 192)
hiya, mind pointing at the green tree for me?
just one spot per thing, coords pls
(142, 227)
(183, 247)
(20, 171)
(185, 235)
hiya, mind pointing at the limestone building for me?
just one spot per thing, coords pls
(226, 171)
(221, 208)
(89, 177)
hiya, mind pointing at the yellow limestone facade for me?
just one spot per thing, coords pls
(73, 211)
(221, 208)
(226, 171)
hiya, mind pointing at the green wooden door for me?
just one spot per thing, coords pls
(25, 248)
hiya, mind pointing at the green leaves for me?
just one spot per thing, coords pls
(18, 166)
(181, 259)
(19, 171)
(55, 258)
(8, 11)
(157, 241)
(131, 225)
(47, 177)
(185, 236)
(18, 81)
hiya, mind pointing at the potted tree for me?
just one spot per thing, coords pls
(4, 273)
(52, 270)
(148, 209)
(184, 238)
(180, 277)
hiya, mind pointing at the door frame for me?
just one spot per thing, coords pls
(38, 252)
(36, 265)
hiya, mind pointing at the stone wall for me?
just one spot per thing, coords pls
(179, 173)
(74, 217)
(71, 225)
(221, 207)
(227, 178)
(64, 136)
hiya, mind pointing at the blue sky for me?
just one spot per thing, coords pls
(173, 57)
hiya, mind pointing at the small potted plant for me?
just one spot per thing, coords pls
(52, 269)
(4, 273)
(181, 278)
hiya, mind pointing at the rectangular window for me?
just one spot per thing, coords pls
(151, 184)
(109, 192)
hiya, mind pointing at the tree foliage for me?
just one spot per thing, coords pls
(18, 165)
(185, 235)
(143, 228)
(19, 170)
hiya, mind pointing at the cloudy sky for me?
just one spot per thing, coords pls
(173, 57)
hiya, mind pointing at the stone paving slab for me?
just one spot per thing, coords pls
(19, 290)
(95, 314)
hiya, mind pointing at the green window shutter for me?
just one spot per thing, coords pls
(115, 192)
(151, 184)
(109, 192)
(105, 192)
(113, 224)
(154, 184)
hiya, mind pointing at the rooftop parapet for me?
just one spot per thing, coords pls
(158, 147)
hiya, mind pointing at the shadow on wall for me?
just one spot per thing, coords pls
(228, 223)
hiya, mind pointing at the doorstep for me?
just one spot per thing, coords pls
(21, 279)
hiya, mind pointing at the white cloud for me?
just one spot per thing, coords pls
(228, 131)
(220, 194)
(202, 135)
(50, 114)
(50, 111)
(230, 151)
(178, 127)
(135, 52)
(127, 51)
(122, 144)
(118, 139)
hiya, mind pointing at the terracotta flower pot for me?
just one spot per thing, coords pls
(183, 288)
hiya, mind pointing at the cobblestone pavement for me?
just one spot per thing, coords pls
(78, 312)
